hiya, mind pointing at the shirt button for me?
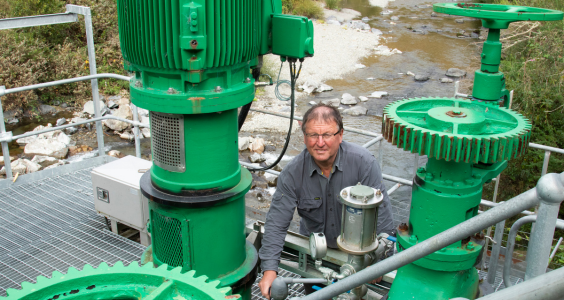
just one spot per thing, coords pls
(332, 225)
(331, 209)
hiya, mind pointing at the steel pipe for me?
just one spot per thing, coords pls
(397, 179)
(546, 148)
(373, 141)
(549, 286)
(22, 22)
(511, 245)
(494, 204)
(5, 148)
(437, 242)
(496, 249)
(136, 130)
(64, 81)
(550, 189)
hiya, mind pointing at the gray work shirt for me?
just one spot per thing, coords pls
(302, 185)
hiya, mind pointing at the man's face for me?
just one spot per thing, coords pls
(322, 148)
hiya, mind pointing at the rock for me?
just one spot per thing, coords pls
(59, 163)
(44, 161)
(259, 182)
(115, 153)
(112, 104)
(285, 109)
(46, 147)
(310, 86)
(454, 72)
(142, 112)
(12, 113)
(144, 120)
(127, 136)
(89, 107)
(359, 25)
(446, 80)
(378, 94)
(71, 130)
(312, 103)
(324, 88)
(63, 138)
(2, 159)
(356, 111)
(257, 145)
(124, 112)
(363, 98)
(434, 14)
(273, 182)
(26, 140)
(332, 102)
(409, 73)
(359, 66)
(385, 51)
(12, 121)
(421, 77)
(64, 105)
(365, 19)
(269, 148)
(114, 98)
(348, 99)
(386, 12)
(459, 21)
(333, 22)
(256, 158)
(245, 142)
(377, 31)
(370, 78)
(392, 23)
(46, 109)
(394, 18)
(61, 121)
(22, 166)
(146, 132)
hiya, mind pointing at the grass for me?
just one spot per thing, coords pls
(307, 8)
(332, 4)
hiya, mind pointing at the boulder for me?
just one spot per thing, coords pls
(273, 181)
(409, 73)
(63, 138)
(44, 161)
(386, 12)
(17, 167)
(46, 109)
(71, 130)
(312, 103)
(12, 158)
(115, 153)
(124, 112)
(114, 98)
(61, 121)
(377, 31)
(421, 77)
(256, 158)
(146, 132)
(310, 86)
(59, 163)
(89, 107)
(460, 21)
(363, 98)
(356, 111)
(359, 66)
(446, 80)
(324, 88)
(46, 147)
(394, 18)
(454, 72)
(348, 99)
(26, 140)
(245, 142)
(365, 19)
(127, 136)
(332, 102)
(378, 94)
(12, 121)
(333, 22)
(257, 145)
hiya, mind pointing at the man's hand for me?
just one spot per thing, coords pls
(266, 281)
(377, 280)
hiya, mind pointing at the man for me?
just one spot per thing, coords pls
(312, 182)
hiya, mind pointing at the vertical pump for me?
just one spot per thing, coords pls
(192, 62)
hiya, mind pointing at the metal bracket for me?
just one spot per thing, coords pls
(302, 261)
(77, 9)
(6, 137)
(2, 90)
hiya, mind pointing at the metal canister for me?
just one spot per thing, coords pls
(359, 219)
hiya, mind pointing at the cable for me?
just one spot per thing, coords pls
(280, 82)
(293, 78)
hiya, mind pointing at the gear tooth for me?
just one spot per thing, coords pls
(87, 268)
(57, 274)
(26, 285)
(41, 279)
(149, 265)
(12, 292)
(176, 270)
(190, 273)
(118, 264)
(103, 266)
(214, 283)
(133, 264)
(163, 267)
(203, 278)
(72, 270)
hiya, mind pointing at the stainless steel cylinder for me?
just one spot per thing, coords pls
(359, 219)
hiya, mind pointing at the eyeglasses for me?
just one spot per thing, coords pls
(326, 136)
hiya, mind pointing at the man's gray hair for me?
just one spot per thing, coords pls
(322, 112)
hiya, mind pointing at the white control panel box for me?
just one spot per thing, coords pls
(117, 195)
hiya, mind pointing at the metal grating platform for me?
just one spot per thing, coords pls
(294, 289)
(50, 225)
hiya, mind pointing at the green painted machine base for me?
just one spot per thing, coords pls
(414, 282)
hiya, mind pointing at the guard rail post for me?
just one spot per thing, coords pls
(550, 190)
(4, 134)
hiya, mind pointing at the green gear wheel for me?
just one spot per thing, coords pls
(456, 130)
(123, 283)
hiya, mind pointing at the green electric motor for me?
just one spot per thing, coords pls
(192, 61)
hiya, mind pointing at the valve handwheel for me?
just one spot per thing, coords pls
(496, 15)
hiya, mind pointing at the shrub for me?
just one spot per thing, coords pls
(332, 4)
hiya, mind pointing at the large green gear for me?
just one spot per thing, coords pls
(456, 130)
(123, 283)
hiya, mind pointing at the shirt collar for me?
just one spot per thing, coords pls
(314, 167)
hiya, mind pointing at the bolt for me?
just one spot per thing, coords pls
(218, 89)
(413, 239)
(378, 192)
(138, 84)
(470, 246)
(429, 177)
(421, 170)
(171, 91)
(476, 176)
(483, 55)
(344, 194)
(456, 112)
(448, 182)
(248, 80)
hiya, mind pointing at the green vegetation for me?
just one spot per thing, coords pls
(533, 64)
(48, 53)
(332, 4)
(308, 8)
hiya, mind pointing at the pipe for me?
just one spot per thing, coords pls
(511, 245)
(550, 188)
(136, 130)
(496, 249)
(5, 148)
(555, 249)
(397, 179)
(373, 141)
(547, 148)
(494, 204)
(64, 81)
(437, 242)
